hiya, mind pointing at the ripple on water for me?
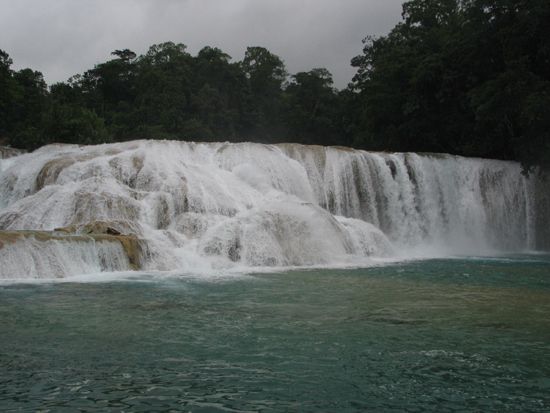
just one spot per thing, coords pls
(409, 336)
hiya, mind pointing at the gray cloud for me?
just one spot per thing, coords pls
(64, 37)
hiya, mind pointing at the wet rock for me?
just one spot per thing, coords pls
(9, 152)
(51, 170)
(132, 246)
(102, 227)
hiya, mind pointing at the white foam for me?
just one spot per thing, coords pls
(202, 208)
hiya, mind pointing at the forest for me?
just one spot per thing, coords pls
(467, 77)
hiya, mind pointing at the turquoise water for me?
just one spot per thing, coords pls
(435, 335)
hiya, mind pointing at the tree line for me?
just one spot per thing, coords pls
(469, 77)
(169, 94)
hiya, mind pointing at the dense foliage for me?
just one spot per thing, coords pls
(168, 93)
(470, 77)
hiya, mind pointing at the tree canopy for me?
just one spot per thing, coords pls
(469, 77)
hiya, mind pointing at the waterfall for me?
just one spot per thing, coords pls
(36, 255)
(458, 204)
(204, 206)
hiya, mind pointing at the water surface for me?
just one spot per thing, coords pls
(469, 334)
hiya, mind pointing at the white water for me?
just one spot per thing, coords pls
(208, 206)
(31, 258)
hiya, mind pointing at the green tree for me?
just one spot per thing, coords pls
(454, 76)
(65, 123)
(312, 108)
(28, 109)
(8, 96)
(266, 74)
(164, 91)
(219, 99)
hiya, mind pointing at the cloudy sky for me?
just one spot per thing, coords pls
(63, 37)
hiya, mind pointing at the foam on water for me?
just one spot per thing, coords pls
(203, 207)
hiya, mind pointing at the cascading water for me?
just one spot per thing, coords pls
(31, 257)
(203, 206)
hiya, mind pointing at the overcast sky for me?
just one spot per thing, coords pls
(63, 37)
